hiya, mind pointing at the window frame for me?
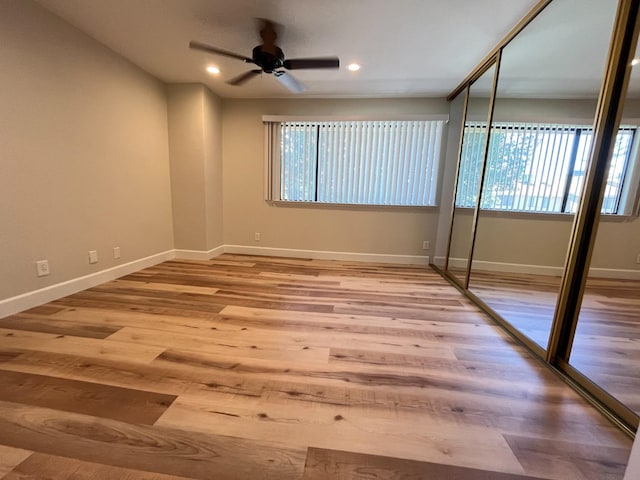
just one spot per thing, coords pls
(272, 158)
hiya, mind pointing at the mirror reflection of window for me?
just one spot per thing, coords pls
(540, 168)
(539, 149)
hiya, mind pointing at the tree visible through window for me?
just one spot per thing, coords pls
(536, 167)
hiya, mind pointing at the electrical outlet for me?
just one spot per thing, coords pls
(116, 252)
(638, 258)
(93, 256)
(425, 245)
(42, 268)
(256, 237)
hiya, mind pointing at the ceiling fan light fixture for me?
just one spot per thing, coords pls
(635, 62)
(353, 67)
(270, 59)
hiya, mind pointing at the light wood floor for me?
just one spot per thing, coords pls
(606, 347)
(526, 301)
(258, 368)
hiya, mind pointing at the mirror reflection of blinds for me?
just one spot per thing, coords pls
(535, 167)
(360, 162)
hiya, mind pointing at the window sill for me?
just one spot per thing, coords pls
(351, 206)
(542, 215)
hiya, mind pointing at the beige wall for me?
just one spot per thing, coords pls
(84, 159)
(617, 244)
(521, 239)
(461, 233)
(213, 168)
(195, 146)
(378, 230)
(544, 241)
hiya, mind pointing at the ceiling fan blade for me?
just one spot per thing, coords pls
(218, 51)
(240, 79)
(318, 62)
(290, 82)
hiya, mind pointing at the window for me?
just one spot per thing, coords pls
(355, 162)
(536, 167)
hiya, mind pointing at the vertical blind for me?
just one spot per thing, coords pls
(360, 162)
(536, 167)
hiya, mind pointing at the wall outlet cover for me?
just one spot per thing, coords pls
(42, 268)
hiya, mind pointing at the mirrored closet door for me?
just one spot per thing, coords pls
(538, 151)
(606, 346)
(474, 137)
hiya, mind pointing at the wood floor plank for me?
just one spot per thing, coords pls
(265, 321)
(60, 327)
(132, 307)
(139, 447)
(47, 342)
(583, 461)
(46, 309)
(163, 379)
(287, 345)
(135, 300)
(239, 344)
(124, 404)
(427, 361)
(323, 464)
(162, 287)
(357, 377)
(151, 321)
(41, 466)
(10, 457)
(289, 424)
(7, 354)
(350, 323)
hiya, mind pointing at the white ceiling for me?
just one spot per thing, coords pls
(406, 47)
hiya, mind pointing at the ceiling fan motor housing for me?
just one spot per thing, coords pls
(266, 60)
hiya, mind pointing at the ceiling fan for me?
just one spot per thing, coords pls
(270, 58)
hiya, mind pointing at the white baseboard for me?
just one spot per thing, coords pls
(28, 300)
(25, 301)
(517, 268)
(328, 255)
(619, 273)
(622, 274)
(438, 260)
(199, 254)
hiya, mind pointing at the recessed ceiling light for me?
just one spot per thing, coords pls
(635, 62)
(353, 67)
(213, 70)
